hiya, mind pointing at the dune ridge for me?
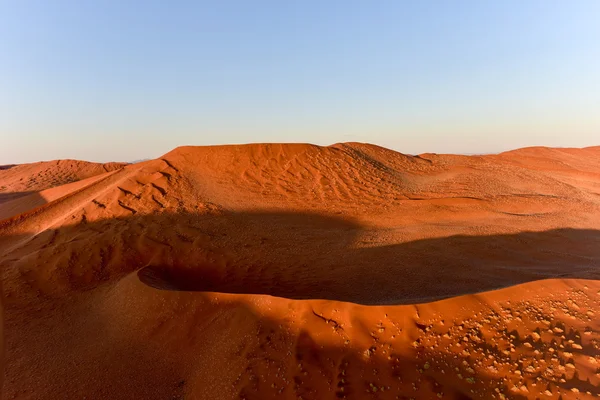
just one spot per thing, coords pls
(27, 186)
(42, 175)
(306, 272)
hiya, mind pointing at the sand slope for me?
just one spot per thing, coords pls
(26, 186)
(155, 280)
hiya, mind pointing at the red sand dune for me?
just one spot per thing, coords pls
(27, 186)
(296, 271)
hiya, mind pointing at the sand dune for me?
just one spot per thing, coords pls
(304, 272)
(46, 174)
(27, 186)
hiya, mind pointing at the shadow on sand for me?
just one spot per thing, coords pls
(298, 256)
(80, 322)
(6, 197)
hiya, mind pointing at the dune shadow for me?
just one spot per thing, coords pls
(301, 256)
(83, 279)
(15, 203)
(410, 272)
(10, 196)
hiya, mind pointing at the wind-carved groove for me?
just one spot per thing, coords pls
(161, 190)
(159, 242)
(328, 321)
(133, 211)
(185, 238)
(170, 165)
(96, 202)
(158, 202)
(166, 175)
(127, 192)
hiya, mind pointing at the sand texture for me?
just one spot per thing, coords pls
(294, 271)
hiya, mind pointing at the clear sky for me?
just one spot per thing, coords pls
(124, 80)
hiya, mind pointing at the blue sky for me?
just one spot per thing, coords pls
(123, 80)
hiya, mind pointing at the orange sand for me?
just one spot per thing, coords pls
(295, 271)
(26, 186)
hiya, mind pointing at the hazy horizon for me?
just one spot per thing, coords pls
(153, 156)
(119, 82)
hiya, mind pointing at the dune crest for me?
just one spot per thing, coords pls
(305, 272)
